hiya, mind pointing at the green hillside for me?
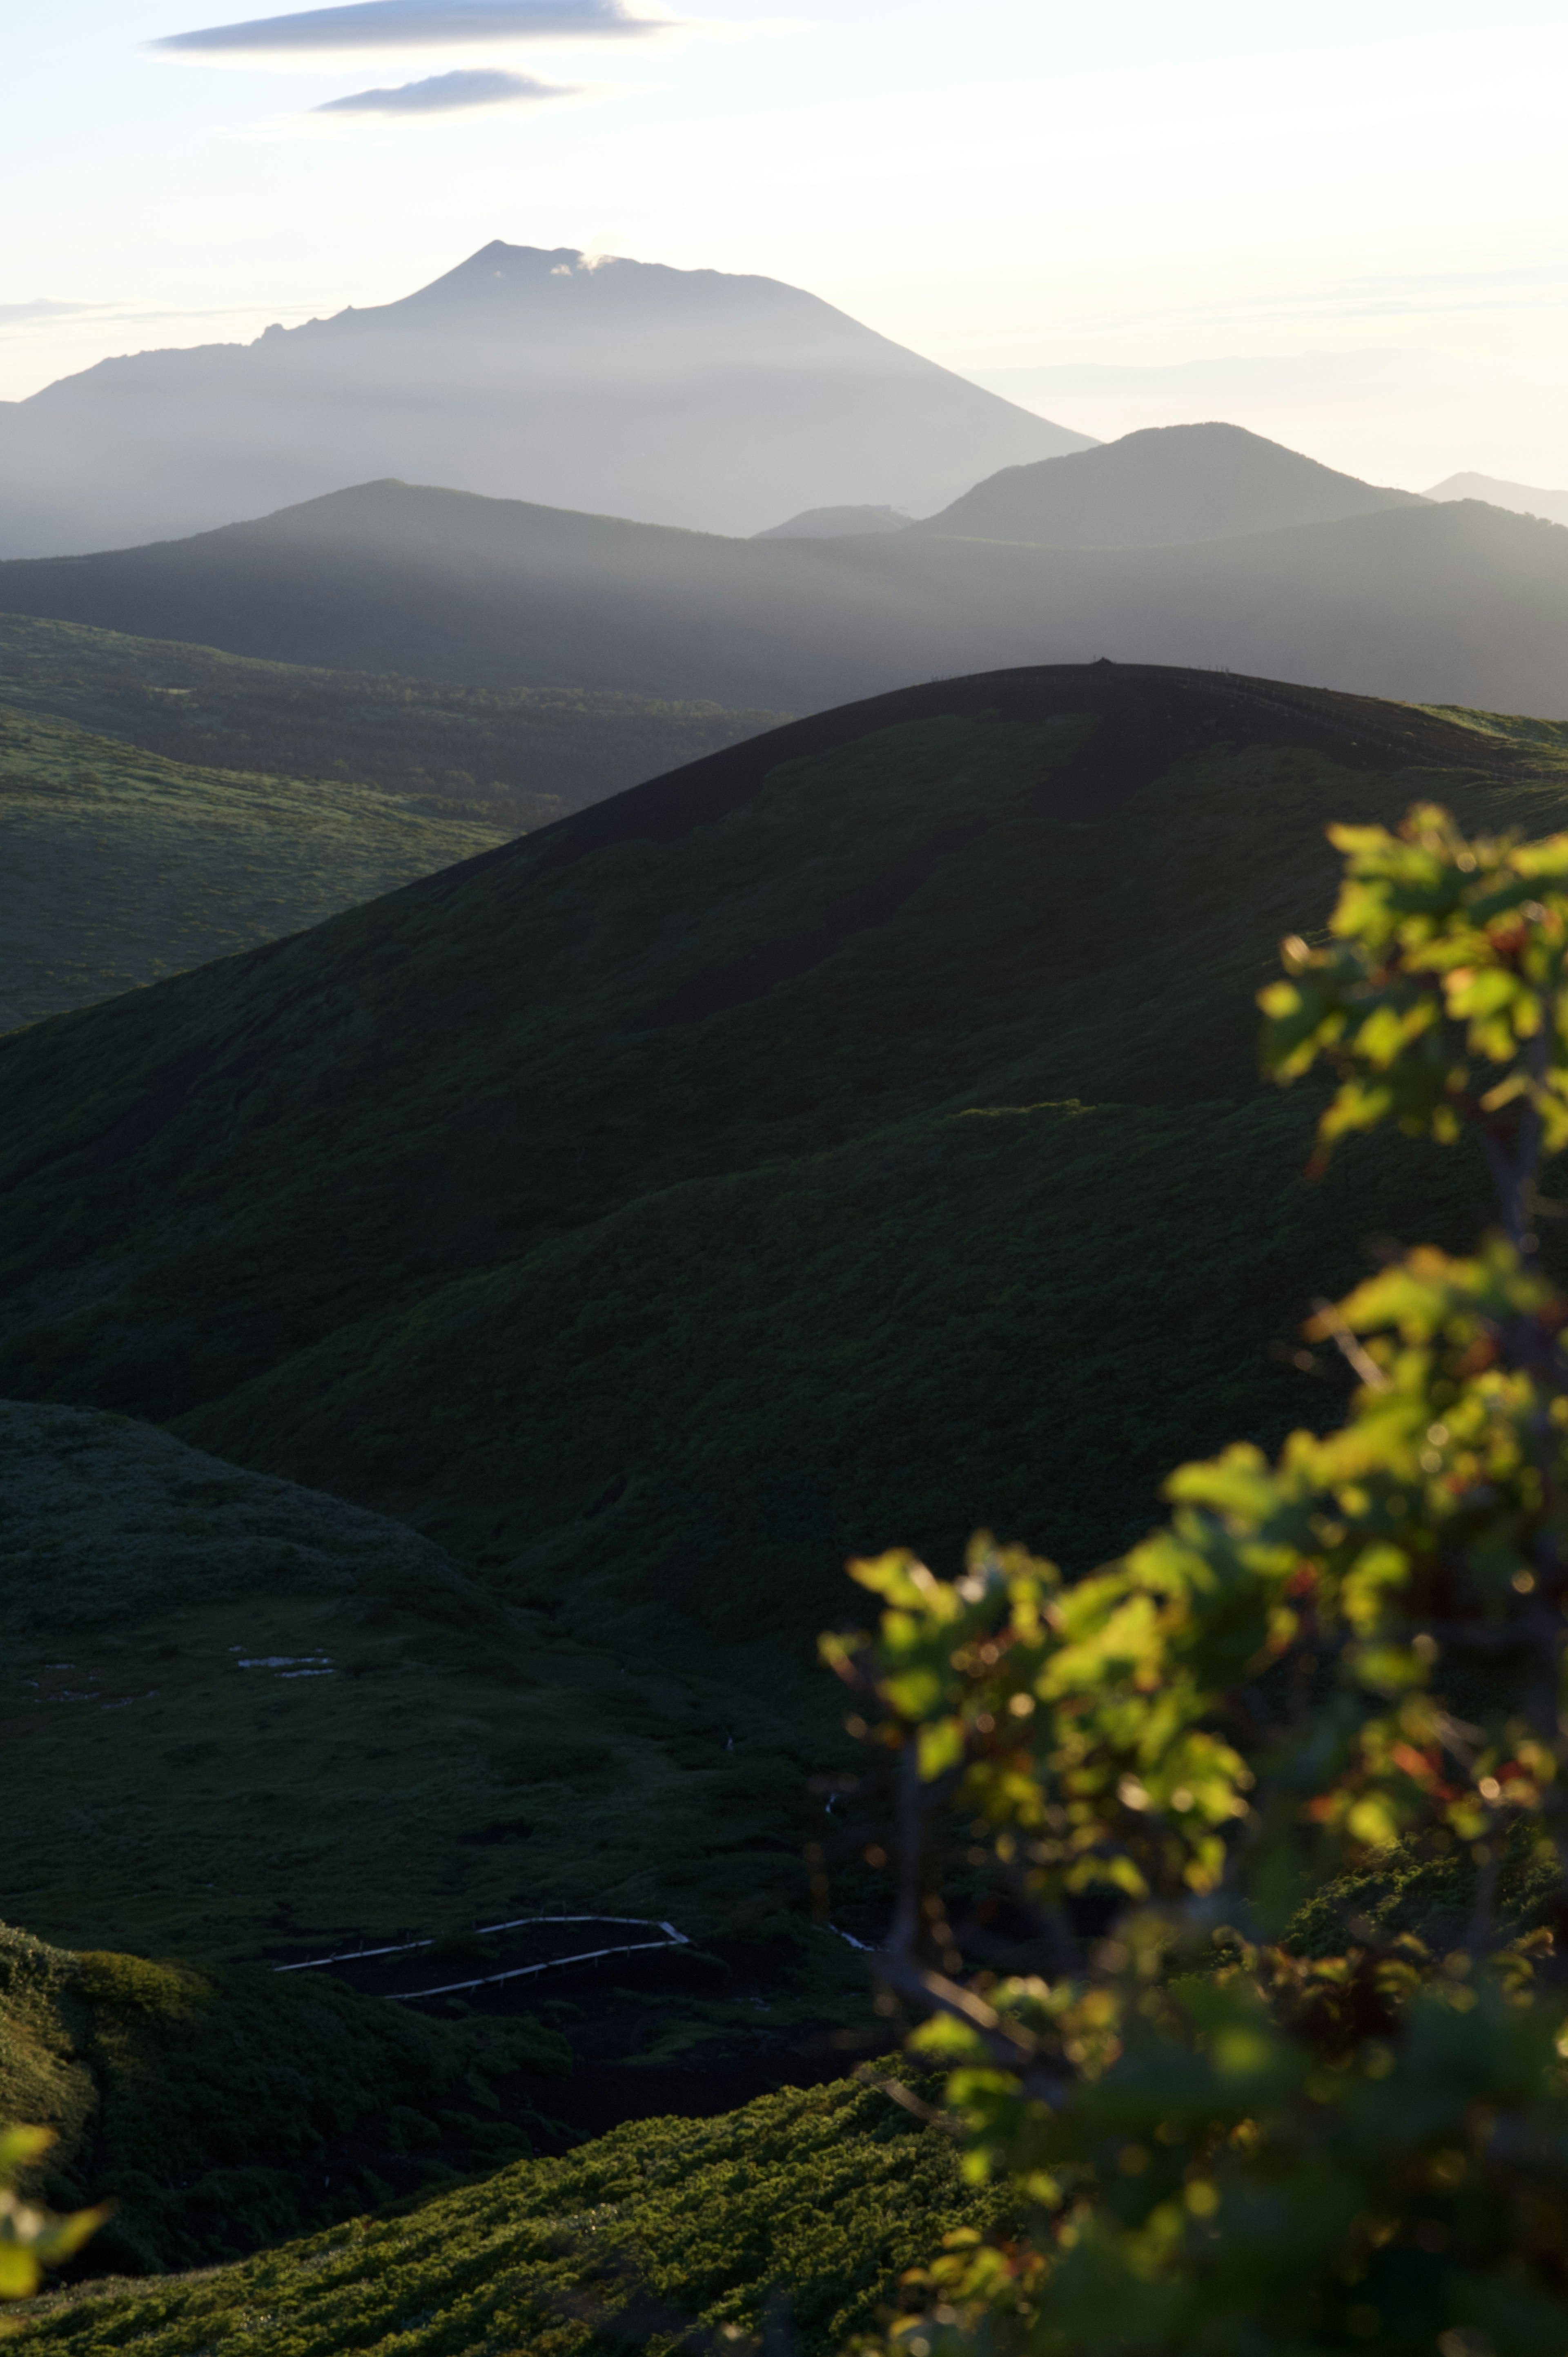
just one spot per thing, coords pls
(223, 2107)
(788, 2223)
(120, 866)
(840, 1142)
(508, 757)
(242, 1717)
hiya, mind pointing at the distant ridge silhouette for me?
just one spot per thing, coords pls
(1162, 484)
(688, 397)
(836, 523)
(1454, 604)
(1523, 498)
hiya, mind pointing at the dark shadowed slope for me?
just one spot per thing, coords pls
(242, 1717)
(1444, 604)
(567, 1201)
(1164, 483)
(681, 396)
(850, 1138)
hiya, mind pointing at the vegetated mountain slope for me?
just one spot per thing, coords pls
(511, 758)
(798, 2214)
(119, 868)
(240, 1718)
(836, 1143)
(1161, 484)
(836, 523)
(1458, 604)
(1524, 498)
(225, 2106)
(681, 396)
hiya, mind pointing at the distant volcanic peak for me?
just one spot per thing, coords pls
(504, 280)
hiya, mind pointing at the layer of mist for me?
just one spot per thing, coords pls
(1458, 603)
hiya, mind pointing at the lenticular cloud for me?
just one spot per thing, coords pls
(405, 24)
(445, 93)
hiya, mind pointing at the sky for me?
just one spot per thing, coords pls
(1346, 227)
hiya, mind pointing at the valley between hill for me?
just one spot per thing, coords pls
(505, 759)
(120, 866)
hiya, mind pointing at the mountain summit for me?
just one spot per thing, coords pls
(1162, 485)
(689, 397)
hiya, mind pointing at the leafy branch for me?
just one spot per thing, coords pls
(1319, 1667)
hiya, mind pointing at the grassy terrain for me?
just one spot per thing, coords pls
(120, 866)
(797, 2213)
(223, 2107)
(851, 1139)
(508, 758)
(242, 1717)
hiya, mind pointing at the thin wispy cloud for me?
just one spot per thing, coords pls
(415, 24)
(447, 94)
(41, 310)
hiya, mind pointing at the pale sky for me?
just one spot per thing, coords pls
(1346, 227)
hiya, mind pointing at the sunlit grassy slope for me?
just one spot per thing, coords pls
(221, 2107)
(794, 2217)
(850, 1139)
(509, 758)
(118, 867)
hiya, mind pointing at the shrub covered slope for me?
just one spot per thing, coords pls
(803, 2209)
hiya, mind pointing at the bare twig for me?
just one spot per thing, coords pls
(1326, 1314)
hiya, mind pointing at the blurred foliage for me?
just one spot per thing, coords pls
(32, 2238)
(1352, 1656)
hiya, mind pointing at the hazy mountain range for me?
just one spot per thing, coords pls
(1525, 498)
(836, 523)
(685, 397)
(1458, 603)
(1164, 483)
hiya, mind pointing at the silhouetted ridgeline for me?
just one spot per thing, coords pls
(1454, 604)
(1166, 483)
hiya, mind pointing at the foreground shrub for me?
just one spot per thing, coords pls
(1323, 1674)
